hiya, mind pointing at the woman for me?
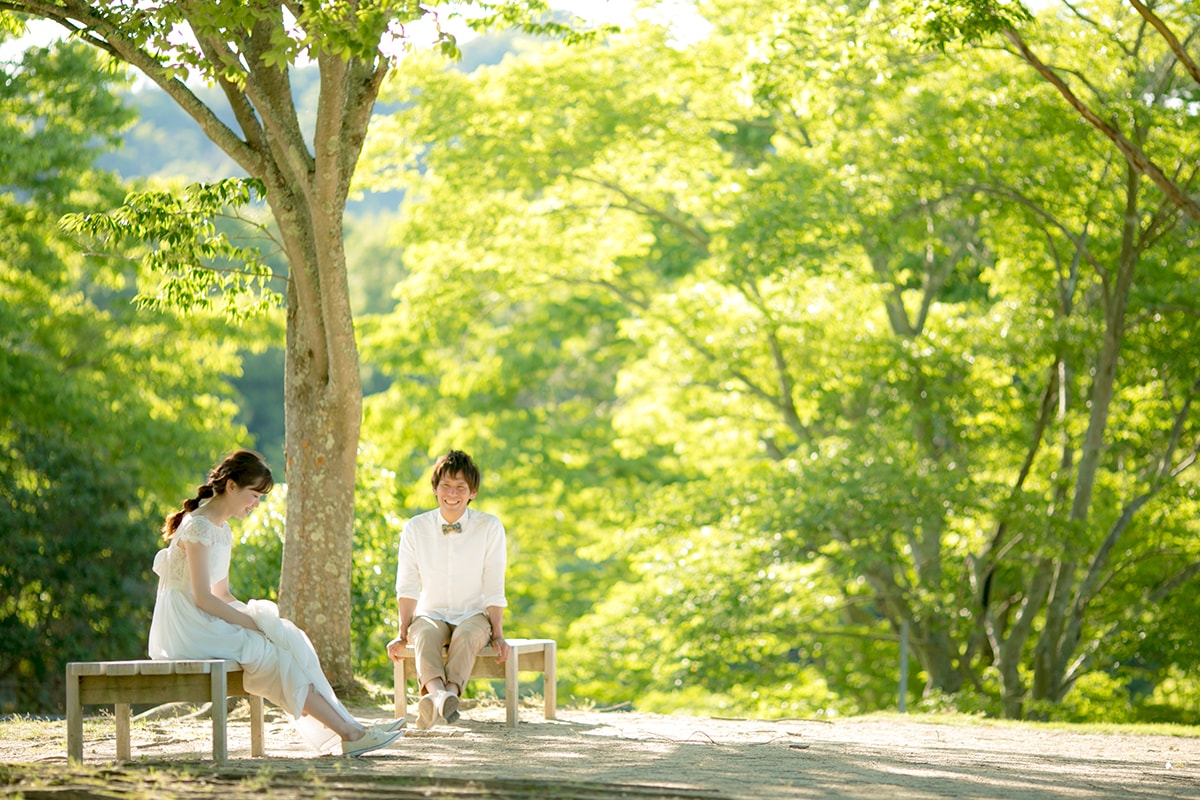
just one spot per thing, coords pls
(196, 617)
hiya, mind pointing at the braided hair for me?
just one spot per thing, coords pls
(246, 468)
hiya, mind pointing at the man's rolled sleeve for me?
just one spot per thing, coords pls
(408, 577)
(494, 565)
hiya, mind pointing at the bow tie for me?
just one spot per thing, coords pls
(451, 527)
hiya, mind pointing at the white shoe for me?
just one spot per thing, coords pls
(447, 707)
(426, 713)
(372, 739)
(394, 725)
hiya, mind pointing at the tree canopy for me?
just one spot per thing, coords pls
(876, 329)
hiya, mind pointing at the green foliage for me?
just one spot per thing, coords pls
(1097, 697)
(377, 521)
(76, 575)
(845, 287)
(944, 21)
(56, 122)
(711, 615)
(10, 25)
(258, 550)
(104, 407)
(533, 17)
(202, 267)
(1176, 698)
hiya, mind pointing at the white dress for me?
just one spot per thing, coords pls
(280, 668)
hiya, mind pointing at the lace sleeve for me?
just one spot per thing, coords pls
(196, 529)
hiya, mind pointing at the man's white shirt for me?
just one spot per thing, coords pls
(452, 576)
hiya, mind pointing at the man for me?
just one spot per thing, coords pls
(450, 589)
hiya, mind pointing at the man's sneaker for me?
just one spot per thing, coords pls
(447, 707)
(426, 712)
(372, 739)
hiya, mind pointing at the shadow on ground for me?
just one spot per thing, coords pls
(587, 754)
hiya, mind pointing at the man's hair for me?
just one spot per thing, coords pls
(456, 462)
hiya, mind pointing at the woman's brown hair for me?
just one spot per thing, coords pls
(246, 468)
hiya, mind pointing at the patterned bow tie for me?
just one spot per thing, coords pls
(451, 527)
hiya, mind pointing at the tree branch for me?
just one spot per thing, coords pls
(690, 232)
(1169, 37)
(1133, 154)
(1162, 472)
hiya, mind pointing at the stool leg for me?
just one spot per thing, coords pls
(256, 727)
(550, 681)
(400, 688)
(512, 689)
(218, 695)
(122, 714)
(74, 719)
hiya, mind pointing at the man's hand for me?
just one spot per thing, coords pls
(502, 649)
(396, 646)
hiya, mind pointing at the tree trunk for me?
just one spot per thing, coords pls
(322, 420)
(932, 642)
(1009, 646)
(938, 655)
(1069, 602)
(322, 383)
(323, 412)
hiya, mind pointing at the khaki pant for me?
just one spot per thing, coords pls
(465, 640)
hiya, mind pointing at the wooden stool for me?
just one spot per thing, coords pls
(123, 683)
(527, 655)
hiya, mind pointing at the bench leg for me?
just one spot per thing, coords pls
(512, 689)
(400, 687)
(74, 720)
(256, 727)
(550, 681)
(217, 704)
(121, 711)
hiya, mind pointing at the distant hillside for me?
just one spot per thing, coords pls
(165, 142)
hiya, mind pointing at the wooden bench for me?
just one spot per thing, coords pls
(123, 683)
(527, 655)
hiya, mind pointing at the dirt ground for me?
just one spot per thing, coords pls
(593, 754)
